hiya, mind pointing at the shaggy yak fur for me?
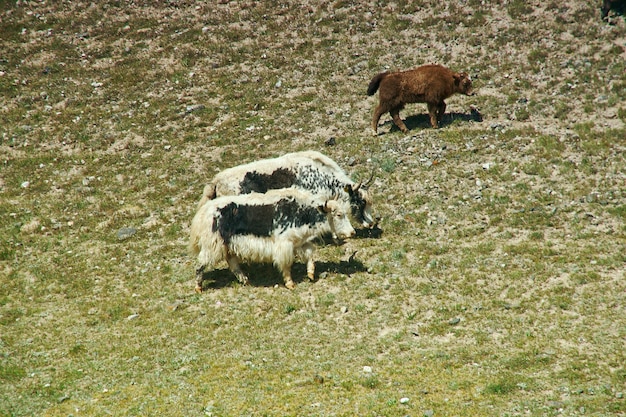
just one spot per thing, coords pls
(272, 227)
(430, 84)
(307, 170)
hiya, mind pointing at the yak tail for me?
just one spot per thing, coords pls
(373, 87)
(209, 193)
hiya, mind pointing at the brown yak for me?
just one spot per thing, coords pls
(430, 84)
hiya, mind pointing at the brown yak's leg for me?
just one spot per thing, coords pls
(395, 114)
(432, 111)
(441, 111)
(375, 119)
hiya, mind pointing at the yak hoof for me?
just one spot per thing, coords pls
(199, 288)
(290, 284)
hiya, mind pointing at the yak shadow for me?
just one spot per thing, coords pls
(422, 120)
(266, 275)
(373, 233)
(361, 233)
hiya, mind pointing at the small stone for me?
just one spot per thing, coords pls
(331, 141)
(195, 107)
(429, 413)
(25, 184)
(367, 369)
(344, 310)
(556, 404)
(126, 232)
(404, 400)
(132, 317)
(454, 321)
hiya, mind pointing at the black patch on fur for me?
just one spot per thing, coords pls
(290, 214)
(357, 206)
(262, 220)
(261, 183)
(312, 179)
(238, 219)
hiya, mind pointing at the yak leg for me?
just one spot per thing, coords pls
(380, 110)
(395, 115)
(286, 271)
(433, 109)
(199, 278)
(283, 260)
(441, 110)
(233, 264)
(307, 254)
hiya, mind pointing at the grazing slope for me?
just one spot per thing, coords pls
(495, 289)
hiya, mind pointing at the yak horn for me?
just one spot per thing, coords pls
(368, 182)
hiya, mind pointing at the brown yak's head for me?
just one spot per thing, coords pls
(463, 84)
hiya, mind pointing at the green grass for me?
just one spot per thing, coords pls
(497, 285)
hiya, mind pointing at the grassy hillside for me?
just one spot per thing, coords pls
(497, 286)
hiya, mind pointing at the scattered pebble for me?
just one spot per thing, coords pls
(367, 369)
(404, 400)
(126, 232)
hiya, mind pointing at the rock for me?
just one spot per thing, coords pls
(454, 321)
(126, 232)
(556, 404)
(367, 369)
(330, 141)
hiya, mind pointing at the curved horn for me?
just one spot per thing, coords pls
(370, 180)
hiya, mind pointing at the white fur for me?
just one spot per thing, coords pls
(280, 247)
(227, 182)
